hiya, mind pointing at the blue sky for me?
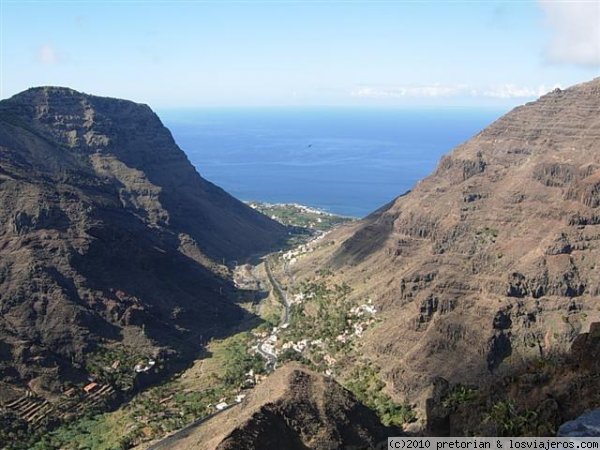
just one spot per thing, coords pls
(395, 53)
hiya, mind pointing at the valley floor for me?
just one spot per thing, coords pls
(216, 382)
(314, 320)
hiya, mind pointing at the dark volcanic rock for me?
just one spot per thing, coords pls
(293, 409)
(586, 348)
(108, 234)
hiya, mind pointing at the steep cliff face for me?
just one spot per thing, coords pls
(293, 409)
(124, 145)
(492, 258)
(108, 234)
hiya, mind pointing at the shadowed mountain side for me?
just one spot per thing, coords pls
(293, 409)
(108, 235)
(124, 142)
(370, 236)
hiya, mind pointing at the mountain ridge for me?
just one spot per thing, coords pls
(108, 236)
(293, 408)
(488, 260)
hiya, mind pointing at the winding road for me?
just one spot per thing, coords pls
(270, 357)
(279, 292)
(264, 346)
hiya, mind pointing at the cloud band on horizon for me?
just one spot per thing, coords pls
(504, 91)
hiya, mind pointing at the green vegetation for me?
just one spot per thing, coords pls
(15, 431)
(160, 409)
(292, 355)
(238, 361)
(329, 308)
(487, 234)
(115, 366)
(300, 216)
(365, 384)
(101, 432)
(97, 432)
(510, 407)
(508, 421)
(324, 273)
(109, 366)
(460, 395)
(326, 314)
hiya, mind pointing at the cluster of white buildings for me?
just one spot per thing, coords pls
(298, 298)
(291, 256)
(309, 210)
(363, 317)
(366, 308)
(299, 346)
(302, 344)
(144, 367)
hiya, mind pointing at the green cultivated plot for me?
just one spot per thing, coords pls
(296, 215)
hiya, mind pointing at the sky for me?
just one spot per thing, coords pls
(301, 53)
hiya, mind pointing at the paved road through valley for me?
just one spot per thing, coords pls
(270, 357)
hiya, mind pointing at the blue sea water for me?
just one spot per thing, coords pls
(347, 161)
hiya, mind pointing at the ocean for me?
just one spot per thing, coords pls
(346, 161)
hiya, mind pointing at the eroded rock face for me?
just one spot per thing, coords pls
(493, 257)
(586, 349)
(108, 233)
(547, 392)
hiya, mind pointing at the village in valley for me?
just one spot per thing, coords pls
(315, 321)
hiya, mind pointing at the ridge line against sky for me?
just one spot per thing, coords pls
(289, 53)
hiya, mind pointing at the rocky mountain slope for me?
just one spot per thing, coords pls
(534, 399)
(293, 409)
(491, 260)
(108, 235)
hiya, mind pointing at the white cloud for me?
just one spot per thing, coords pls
(433, 90)
(575, 32)
(503, 91)
(514, 91)
(47, 54)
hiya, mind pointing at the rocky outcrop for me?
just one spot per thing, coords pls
(294, 409)
(534, 398)
(586, 425)
(108, 235)
(586, 349)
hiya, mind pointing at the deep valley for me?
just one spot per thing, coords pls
(138, 299)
